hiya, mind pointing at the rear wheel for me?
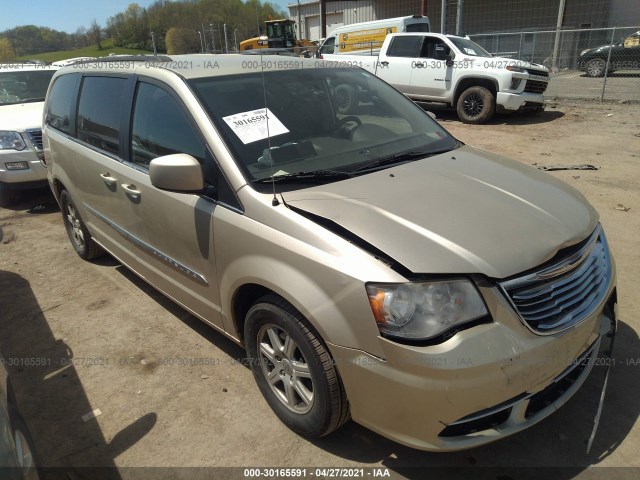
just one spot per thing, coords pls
(293, 369)
(77, 231)
(476, 105)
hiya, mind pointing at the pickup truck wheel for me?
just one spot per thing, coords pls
(476, 105)
(77, 231)
(596, 67)
(7, 196)
(293, 369)
(345, 97)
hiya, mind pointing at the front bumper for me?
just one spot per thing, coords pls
(518, 101)
(34, 176)
(482, 385)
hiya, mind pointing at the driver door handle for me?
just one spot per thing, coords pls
(108, 179)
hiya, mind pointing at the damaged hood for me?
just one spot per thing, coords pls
(465, 211)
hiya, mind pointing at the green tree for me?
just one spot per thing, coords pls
(182, 40)
(6, 50)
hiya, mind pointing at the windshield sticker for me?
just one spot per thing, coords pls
(470, 51)
(251, 126)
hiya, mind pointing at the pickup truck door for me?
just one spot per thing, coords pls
(395, 63)
(431, 76)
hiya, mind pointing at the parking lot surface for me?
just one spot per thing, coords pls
(167, 391)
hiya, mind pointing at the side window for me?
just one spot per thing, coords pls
(99, 112)
(328, 46)
(160, 127)
(405, 46)
(60, 99)
(434, 48)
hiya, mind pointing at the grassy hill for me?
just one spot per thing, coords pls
(91, 51)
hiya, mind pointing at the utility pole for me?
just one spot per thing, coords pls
(201, 44)
(443, 17)
(213, 39)
(299, 23)
(153, 42)
(226, 48)
(556, 44)
(459, 17)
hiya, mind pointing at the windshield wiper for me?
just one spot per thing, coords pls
(398, 158)
(314, 175)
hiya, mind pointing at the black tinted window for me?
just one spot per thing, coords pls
(418, 27)
(60, 99)
(99, 112)
(160, 127)
(405, 46)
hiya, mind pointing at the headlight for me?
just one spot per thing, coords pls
(584, 51)
(11, 141)
(421, 311)
(513, 68)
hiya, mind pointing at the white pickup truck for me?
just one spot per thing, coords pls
(430, 67)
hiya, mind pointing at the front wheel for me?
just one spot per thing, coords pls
(7, 196)
(596, 67)
(293, 369)
(476, 105)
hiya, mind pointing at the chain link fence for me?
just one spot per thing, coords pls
(597, 63)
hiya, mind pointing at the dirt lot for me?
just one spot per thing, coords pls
(106, 339)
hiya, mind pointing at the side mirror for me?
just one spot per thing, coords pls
(449, 59)
(178, 173)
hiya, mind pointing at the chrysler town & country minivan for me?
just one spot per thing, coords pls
(373, 266)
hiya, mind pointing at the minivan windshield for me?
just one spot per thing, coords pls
(20, 86)
(317, 124)
(468, 47)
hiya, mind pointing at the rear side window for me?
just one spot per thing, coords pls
(60, 100)
(99, 112)
(417, 27)
(405, 46)
(161, 127)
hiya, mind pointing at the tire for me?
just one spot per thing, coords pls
(25, 446)
(7, 196)
(476, 105)
(596, 67)
(346, 98)
(77, 231)
(305, 392)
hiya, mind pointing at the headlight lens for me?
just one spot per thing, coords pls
(421, 311)
(513, 68)
(11, 141)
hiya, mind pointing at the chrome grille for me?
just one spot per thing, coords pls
(535, 86)
(35, 136)
(559, 296)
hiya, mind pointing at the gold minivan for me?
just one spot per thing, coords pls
(373, 266)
